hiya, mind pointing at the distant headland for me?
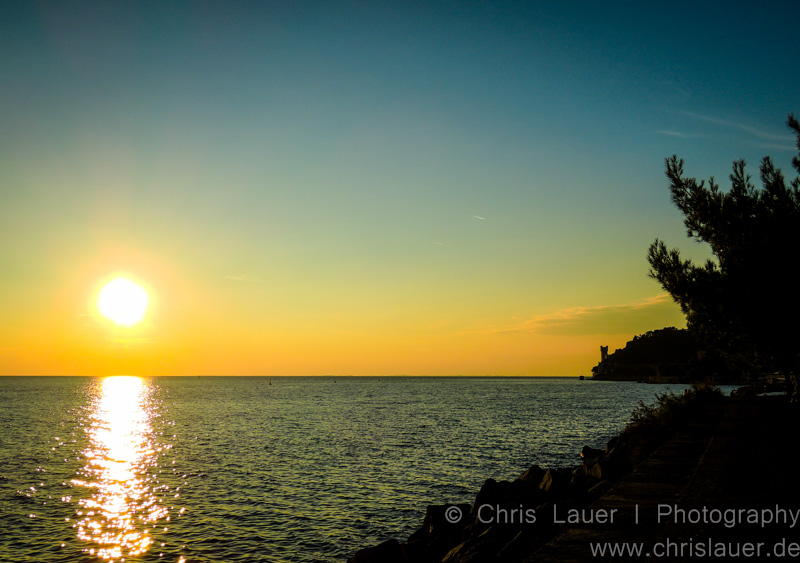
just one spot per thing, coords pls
(668, 355)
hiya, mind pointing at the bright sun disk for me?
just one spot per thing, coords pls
(123, 302)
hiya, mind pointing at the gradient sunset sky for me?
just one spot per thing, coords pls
(364, 187)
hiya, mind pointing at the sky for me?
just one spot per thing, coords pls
(365, 188)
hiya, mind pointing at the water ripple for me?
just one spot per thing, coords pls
(283, 469)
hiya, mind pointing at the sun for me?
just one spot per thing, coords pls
(123, 301)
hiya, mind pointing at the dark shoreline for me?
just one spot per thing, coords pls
(704, 453)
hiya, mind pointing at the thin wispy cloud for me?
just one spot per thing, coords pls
(479, 217)
(679, 134)
(777, 146)
(628, 318)
(749, 129)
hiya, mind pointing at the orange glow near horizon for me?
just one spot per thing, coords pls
(200, 324)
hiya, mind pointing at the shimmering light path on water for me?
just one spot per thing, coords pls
(115, 520)
(281, 470)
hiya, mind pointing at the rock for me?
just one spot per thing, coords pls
(445, 520)
(583, 481)
(533, 473)
(591, 455)
(600, 489)
(492, 492)
(610, 467)
(417, 551)
(556, 480)
(455, 553)
(389, 551)
(481, 548)
(526, 493)
(518, 547)
(421, 534)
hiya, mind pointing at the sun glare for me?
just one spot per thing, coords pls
(123, 302)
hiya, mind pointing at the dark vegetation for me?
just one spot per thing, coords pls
(658, 346)
(650, 425)
(742, 305)
(666, 355)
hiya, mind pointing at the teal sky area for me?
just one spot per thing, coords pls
(367, 188)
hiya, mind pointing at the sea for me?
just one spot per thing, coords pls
(274, 469)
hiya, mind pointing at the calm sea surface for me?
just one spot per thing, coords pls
(213, 469)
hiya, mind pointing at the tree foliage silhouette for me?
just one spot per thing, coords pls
(744, 303)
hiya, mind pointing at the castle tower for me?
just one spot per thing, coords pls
(603, 353)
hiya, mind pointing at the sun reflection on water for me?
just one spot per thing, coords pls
(121, 508)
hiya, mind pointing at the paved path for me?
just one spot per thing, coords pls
(738, 458)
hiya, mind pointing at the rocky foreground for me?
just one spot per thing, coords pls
(697, 477)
